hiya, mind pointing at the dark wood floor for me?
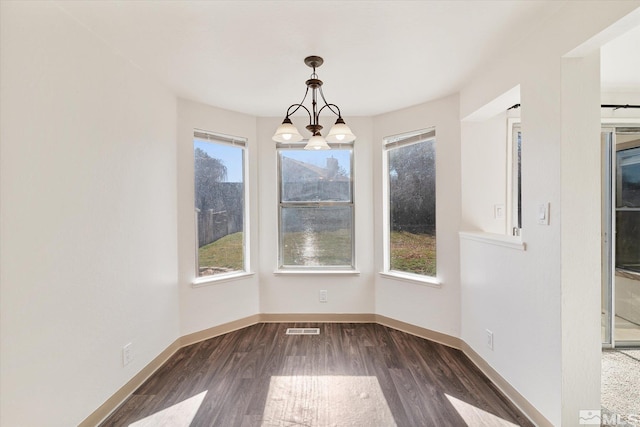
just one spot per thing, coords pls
(423, 383)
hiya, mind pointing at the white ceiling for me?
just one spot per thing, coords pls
(620, 63)
(248, 56)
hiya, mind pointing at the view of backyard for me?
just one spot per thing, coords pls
(412, 205)
(411, 253)
(326, 248)
(222, 256)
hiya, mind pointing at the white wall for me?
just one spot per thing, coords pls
(484, 168)
(298, 293)
(581, 234)
(228, 300)
(88, 218)
(544, 343)
(433, 308)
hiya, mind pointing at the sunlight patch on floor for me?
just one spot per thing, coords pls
(473, 416)
(179, 415)
(326, 401)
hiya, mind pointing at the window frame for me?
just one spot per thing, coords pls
(618, 209)
(282, 268)
(243, 143)
(514, 177)
(389, 143)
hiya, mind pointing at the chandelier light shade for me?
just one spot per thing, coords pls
(287, 132)
(340, 132)
(317, 142)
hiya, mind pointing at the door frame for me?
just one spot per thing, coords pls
(609, 168)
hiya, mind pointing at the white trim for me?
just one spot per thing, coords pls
(512, 188)
(281, 149)
(220, 278)
(386, 227)
(511, 242)
(307, 271)
(409, 138)
(219, 138)
(241, 143)
(301, 144)
(609, 125)
(412, 278)
(620, 121)
(390, 143)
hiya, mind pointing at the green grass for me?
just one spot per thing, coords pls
(225, 254)
(413, 253)
(316, 249)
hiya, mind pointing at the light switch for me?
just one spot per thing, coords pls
(543, 214)
(498, 211)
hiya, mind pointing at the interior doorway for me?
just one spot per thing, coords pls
(621, 240)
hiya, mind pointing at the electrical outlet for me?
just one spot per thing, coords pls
(127, 354)
(489, 339)
(323, 295)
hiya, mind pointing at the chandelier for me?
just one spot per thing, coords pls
(340, 132)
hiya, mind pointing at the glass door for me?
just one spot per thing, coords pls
(621, 248)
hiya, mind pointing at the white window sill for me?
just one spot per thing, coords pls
(512, 242)
(220, 278)
(302, 272)
(412, 278)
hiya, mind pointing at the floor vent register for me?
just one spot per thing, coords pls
(303, 331)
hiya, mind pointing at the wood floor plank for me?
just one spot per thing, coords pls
(350, 374)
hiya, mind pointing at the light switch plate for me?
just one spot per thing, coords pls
(542, 215)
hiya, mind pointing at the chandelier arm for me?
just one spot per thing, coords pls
(331, 109)
(299, 105)
(326, 104)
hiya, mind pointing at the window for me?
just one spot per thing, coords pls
(410, 234)
(316, 207)
(219, 178)
(628, 207)
(515, 176)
